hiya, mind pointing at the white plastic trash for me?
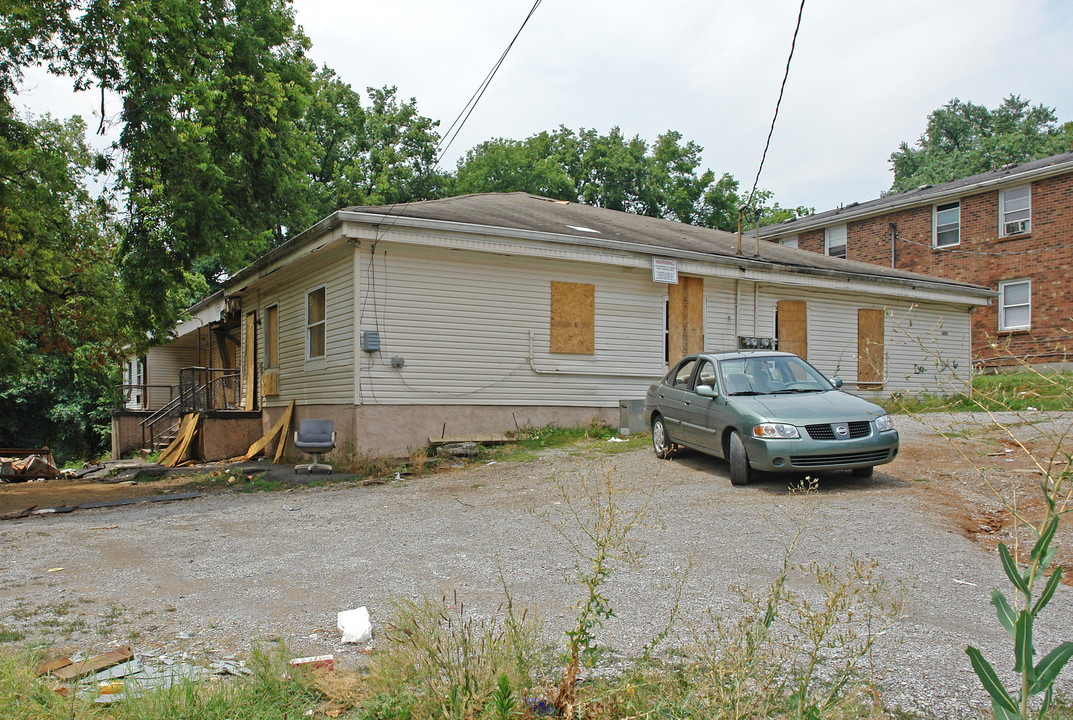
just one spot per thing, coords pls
(355, 625)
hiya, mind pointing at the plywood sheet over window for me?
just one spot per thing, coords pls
(792, 327)
(573, 318)
(251, 363)
(685, 318)
(869, 348)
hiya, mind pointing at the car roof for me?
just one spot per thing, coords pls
(733, 354)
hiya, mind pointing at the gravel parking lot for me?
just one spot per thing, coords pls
(213, 575)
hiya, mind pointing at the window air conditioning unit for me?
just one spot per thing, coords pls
(1017, 227)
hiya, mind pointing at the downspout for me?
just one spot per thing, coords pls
(893, 236)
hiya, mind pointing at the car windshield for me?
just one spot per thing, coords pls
(771, 375)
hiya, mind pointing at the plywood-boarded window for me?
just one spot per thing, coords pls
(685, 318)
(573, 318)
(272, 336)
(251, 363)
(869, 348)
(791, 326)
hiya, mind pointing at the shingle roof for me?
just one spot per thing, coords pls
(532, 213)
(1008, 174)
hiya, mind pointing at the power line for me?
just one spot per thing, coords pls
(782, 88)
(463, 115)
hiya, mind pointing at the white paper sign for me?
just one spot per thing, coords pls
(664, 271)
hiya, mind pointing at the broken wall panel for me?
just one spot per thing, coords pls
(573, 318)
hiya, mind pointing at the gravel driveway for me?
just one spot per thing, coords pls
(211, 576)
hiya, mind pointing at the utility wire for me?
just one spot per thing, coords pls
(463, 115)
(793, 44)
(468, 108)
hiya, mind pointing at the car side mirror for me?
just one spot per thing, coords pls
(837, 382)
(705, 391)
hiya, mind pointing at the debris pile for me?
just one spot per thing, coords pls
(19, 465)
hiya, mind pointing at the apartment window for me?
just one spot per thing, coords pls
(1015, 305)
(834, 241)
(790, 242)
(1015, 211)
(272, 336)
(946, 225)
(315, 323)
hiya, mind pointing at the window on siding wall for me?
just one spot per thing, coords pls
(946, 225)
(1015, 305)
(834, 241)
(573, 318)
(1015, 211)
(315, 325)
(272, 336)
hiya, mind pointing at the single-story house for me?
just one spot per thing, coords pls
(486, 313)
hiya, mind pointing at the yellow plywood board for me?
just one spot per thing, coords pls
(792, 331)
(869, 346)
(251, 361)
(573, 318)
(685, 318)
(284, 424)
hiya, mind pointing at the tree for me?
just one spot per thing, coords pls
(964, 139)
(606, 170)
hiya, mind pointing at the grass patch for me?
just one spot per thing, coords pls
(997, 393)
(7, 635)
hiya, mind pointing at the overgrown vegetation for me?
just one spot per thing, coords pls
(1021, 391)
(1010, 401)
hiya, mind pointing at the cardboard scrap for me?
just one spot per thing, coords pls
(94, 664)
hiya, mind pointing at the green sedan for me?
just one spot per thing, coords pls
(766, 411)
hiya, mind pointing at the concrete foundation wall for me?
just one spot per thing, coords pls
(396, 430)
(126, 433)
(227, 435)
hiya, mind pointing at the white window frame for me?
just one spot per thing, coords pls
(1003, 326)
(1003, 221)
(836, 232)
(790, 242)
(323, 322)
(946, 207)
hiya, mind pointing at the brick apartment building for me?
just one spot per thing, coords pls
(1010, 230)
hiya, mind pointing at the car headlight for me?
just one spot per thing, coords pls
(780, 431)
(884, 423)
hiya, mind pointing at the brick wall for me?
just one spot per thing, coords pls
(1044, 255)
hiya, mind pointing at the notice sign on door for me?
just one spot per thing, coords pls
(664, 271)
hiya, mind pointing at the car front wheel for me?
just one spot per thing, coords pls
(661, 443)
(740, 472)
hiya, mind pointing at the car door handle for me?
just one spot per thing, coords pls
(686, 402)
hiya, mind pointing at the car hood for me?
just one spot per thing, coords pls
(809, 408)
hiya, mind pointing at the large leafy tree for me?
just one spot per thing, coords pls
(609, 170)
(963, 138)
(383, 153)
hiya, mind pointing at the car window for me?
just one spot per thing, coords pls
(706, 375)
(681, 378)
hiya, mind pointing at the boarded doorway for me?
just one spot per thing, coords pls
(870, 349)
(791, 327)
(685, 318)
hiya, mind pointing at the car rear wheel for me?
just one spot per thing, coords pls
(661, 442)
(740, 472)
(862, 472)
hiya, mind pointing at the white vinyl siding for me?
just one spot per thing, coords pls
(946, 225)
(326, 380)
(473, 328)
(1015, 305)
(163, 364)
(834, 241)
(1015, 211)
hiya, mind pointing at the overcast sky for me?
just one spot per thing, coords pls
(864, 76)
